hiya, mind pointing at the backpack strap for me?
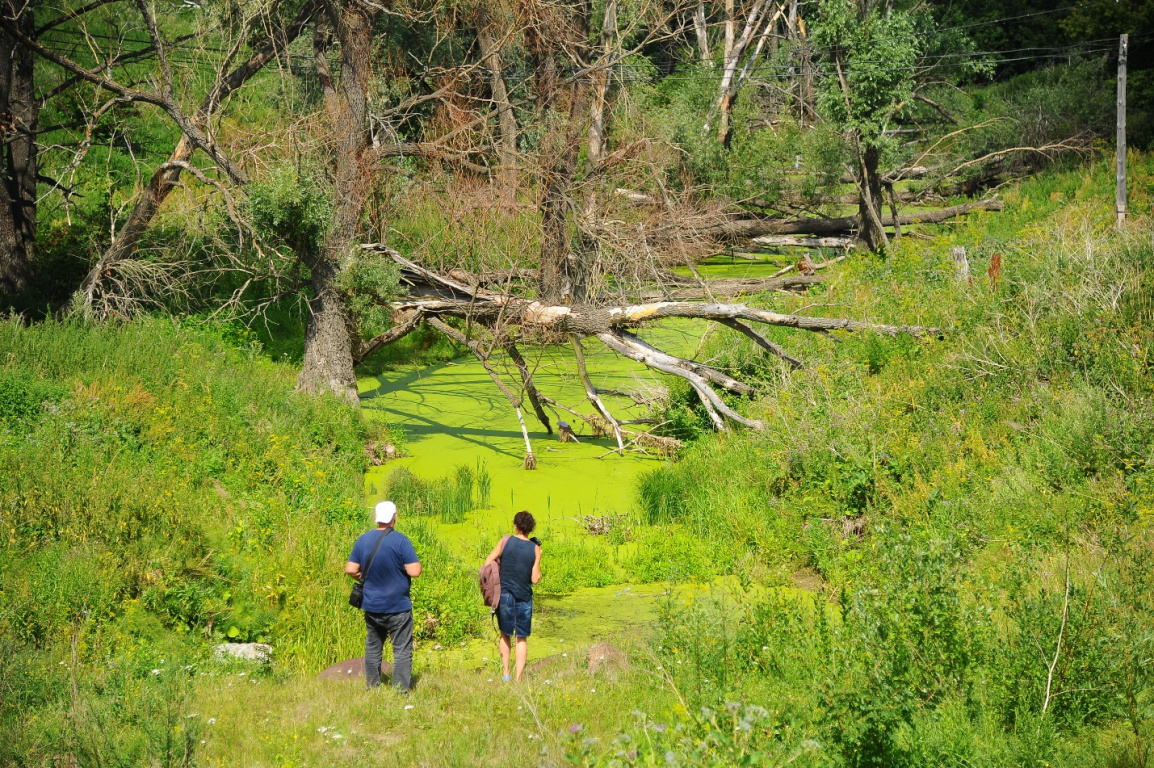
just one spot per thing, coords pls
(369, 563)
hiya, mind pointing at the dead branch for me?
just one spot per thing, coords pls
(527, 381)
(762, 342)
(479, 353)
(591, 391)
(411, 321)
(438, 296)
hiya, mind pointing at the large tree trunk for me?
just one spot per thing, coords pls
(871, 234)
(433, 296)
(328, 359)
(564, 274)
(20, 170)
(601, 84)
(506, 120)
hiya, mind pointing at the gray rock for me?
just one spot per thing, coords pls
(249, 651)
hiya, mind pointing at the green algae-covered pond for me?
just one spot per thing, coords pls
(453, 415)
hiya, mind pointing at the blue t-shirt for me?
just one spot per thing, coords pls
(386, 583)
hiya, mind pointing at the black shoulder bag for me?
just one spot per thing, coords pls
(357, 596)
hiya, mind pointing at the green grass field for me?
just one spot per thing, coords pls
(938, 553)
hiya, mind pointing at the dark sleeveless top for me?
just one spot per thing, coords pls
(517, 568)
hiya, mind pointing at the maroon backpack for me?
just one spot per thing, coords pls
(490, 578)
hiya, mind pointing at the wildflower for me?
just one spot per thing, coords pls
(660, 727)
(156, 671)
(575, 728)
(408, 706)
(212, 721)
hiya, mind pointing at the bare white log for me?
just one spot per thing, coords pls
(733, 53)
(787, 241)
(702, 33)
(627, 345)
(591, 391)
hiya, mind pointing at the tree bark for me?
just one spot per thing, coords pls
(564, 275)
(601, 84)
(19, 155)
(702, 32)
(506, 120)
(871, 233)
(328, 358)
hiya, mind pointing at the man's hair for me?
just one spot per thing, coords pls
(524, 522)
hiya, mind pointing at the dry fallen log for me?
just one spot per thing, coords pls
(433, 297)
(785, 241)
(745, 229)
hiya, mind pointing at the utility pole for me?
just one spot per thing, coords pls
(1120, 173)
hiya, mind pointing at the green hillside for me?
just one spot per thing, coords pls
(937, 553)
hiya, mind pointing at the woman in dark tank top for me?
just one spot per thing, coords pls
(520, 564)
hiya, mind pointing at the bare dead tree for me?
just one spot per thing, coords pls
(490, 37)
(273, 38)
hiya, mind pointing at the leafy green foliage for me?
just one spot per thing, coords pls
(451, 497)
(872, 71)
(172, 495)
(369, 283)
(291, 209)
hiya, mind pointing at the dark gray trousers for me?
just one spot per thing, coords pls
(397, 627)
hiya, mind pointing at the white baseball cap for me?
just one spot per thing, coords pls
(386, 512)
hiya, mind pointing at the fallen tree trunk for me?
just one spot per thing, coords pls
(794, 241)
(433, 296)
(745, 229)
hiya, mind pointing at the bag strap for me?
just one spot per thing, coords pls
(365, 570)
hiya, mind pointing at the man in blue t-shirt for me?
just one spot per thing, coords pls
(388, 609)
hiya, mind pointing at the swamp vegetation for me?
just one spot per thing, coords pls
(804, 329)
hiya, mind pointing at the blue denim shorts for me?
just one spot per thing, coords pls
(514, 617)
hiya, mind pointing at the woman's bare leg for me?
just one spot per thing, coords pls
(505, 656)
(522, 655)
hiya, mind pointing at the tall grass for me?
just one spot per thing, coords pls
(162, 491)
(452, 497)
